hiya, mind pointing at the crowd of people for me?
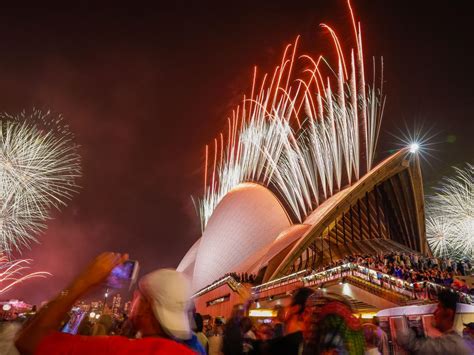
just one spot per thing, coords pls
(243, 277)
(323, 323)
(162, 321)
(415, 268)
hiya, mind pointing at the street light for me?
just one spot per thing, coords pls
(105, 298)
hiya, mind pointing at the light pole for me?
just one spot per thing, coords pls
(105, 299)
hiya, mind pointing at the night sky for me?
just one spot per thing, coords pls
(144, 89)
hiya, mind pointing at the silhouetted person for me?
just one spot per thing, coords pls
(449, 342)
(233, 339)
(292, 340)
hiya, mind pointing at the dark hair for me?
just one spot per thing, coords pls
(199, 322)
(300, 296)
(448, 299)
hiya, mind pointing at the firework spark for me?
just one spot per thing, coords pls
(39, 165)
(450, 223)
(296, 133)
(12, 273)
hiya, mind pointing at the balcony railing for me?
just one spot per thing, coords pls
(423, 290)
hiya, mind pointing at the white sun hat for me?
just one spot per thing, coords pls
(169, 293)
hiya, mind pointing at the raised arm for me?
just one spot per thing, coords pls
(50, 316)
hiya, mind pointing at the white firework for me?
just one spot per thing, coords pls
(450, 211)
(39, 165)
(439, 230)
(298, 135)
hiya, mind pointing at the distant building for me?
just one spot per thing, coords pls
(116, 303)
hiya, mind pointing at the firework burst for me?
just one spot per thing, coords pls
(450, 211)
(306, 130)
(13, 272)
(39, 165)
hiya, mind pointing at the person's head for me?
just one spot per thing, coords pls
(298, 302)
(329, 324)
(161, 304)
(141, 315)
(446, 310)
(199, 322)
(237, 312)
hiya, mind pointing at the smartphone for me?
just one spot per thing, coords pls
(73, 324)
(123, 275)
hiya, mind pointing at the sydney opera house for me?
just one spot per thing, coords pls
(250, 232)
(291, 187)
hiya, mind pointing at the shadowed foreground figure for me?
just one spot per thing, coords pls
(449, 342)
(330, 326)
(159, 312)
(291, 343)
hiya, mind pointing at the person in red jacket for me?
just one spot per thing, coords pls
(159, 312)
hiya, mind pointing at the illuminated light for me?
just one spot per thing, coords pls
(6, 307)
(215, 285)
(276, 282)
(97, 316)
(92, 315)
(368, 315)
(418, 139)
(267, 313)
(414, 147)
(346, 290)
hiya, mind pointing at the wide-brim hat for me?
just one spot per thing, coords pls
(169, 294)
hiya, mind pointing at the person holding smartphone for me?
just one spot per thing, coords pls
(159, 312)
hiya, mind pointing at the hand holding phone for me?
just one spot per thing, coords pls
(123, 275)
(96, 272)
